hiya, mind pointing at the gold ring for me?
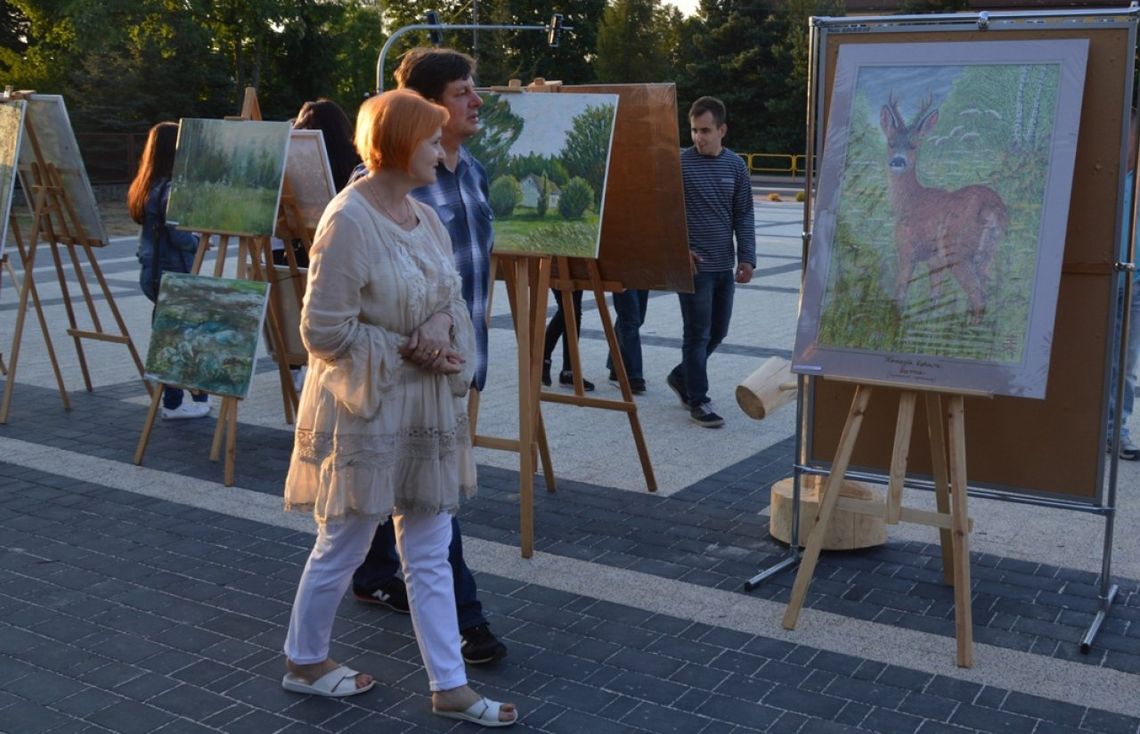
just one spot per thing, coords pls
(435, 353)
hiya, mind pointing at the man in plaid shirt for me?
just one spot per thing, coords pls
(460, 198)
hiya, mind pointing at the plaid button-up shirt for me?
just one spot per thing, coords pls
(461, 200)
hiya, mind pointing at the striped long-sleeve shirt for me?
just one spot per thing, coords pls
(718, 205)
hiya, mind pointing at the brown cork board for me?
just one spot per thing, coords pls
(645, 243)
(1052, 447)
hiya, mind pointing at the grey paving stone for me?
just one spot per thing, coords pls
(990, 720)
(723, 708)
(129, 717)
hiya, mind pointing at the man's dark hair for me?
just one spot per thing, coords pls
(709, 104)
(429, 70)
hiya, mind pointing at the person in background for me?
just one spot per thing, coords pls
(718, 207)
(629, 308)
(556, 330)
(162, 248)
(459, 195)
(382, 429)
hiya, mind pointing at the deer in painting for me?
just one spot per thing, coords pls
(955, 231)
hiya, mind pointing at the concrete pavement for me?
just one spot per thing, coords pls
(154, 599)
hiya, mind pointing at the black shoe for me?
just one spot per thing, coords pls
(479, 646)
(636, 384)
(393, 595)
(676, 386)
(566, 377)
(704, 416)
(546, 372)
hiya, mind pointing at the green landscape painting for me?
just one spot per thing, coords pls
(11, 127)
(205, 332)
(227, 176)
(547, 157)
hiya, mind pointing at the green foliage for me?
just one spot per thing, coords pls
(543, 202)
(994, 129)
(575, 198)
(505, 196)
(521, 166)
(587, 146)
(499, 129)
(636, 40)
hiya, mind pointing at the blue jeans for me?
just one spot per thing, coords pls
(1132, 349)
(705, 314)
(383, 562)
(630, 307)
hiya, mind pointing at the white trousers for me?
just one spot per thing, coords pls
(339, 549)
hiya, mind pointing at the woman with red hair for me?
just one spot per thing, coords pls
(382, 428)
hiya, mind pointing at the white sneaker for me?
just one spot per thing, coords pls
(188, 409)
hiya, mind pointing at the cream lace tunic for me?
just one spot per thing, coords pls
(377, 435)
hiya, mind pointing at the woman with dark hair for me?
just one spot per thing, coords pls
(326, 116)
(382, 428)
(162, 248)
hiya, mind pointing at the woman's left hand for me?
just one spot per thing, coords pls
(429, 341)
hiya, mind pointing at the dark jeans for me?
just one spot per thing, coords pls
(383, 562)
(557, 327)
(705, 314)
(629, 307)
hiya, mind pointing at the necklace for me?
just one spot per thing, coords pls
(407, 216)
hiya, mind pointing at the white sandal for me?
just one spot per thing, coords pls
(330, 685)
(483, 712)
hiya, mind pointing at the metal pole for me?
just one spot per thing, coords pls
(444, 27)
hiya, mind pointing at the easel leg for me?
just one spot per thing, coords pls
(963, 611)
(941, 473)
(527, 398)
(622, 375)
(115, 314)
(544, 456)
(231, 442)
(827, 505)
(73, 325)
(899, 455)
(148, 426)
(257, 249)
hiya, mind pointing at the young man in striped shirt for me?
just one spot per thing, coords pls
(718, 206)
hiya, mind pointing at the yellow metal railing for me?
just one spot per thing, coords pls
(776, 164)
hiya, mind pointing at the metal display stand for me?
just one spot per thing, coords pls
(1042, 22)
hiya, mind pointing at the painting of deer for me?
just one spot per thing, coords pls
(955, 232)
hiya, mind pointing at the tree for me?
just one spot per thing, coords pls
(575, 199)
(636, 40)
(505, 195)
(587, 146)
(500, 128)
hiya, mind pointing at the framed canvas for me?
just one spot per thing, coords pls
(941, 214)
(46, 116)
(309, 175)
(205, 332)
(547, 157)
(11, 129)
(227, 176)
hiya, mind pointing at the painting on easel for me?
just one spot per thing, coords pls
(309, 175)
(11, 128)
(47, 117)
(941, 214)
(205, 333)
(547, 157)
(227, 176)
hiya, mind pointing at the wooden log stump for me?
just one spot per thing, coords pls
(769, 387)
(848, 531)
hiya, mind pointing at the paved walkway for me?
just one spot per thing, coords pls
(143, 599)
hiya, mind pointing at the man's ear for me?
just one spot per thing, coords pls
(722, 129)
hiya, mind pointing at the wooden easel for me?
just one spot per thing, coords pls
(254, 262)
(951, 518)
(565, 284)
(56, 222)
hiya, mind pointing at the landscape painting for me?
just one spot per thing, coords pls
(11, 128)
(205, 332)
(309, 175)
(941, 214)
(47, 116)
(227, 176)
(547, 156)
